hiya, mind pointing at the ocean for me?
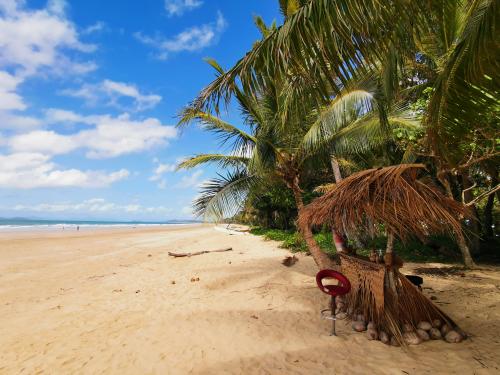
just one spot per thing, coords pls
(20, 224)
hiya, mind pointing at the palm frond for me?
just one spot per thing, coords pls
(343, 109)
(330, 42)
(224, 196)
(222, 160)
(241, 140)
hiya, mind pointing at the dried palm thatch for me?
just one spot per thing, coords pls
(388, 309)
(393, 196)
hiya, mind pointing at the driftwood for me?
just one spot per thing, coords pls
(180, 255)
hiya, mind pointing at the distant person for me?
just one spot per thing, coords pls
(77, 227)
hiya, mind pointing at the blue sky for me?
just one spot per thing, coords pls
(89, 92)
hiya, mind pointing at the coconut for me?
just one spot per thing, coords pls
(358, 326)
(424, 326)
(445, 329)
(411, 338)
(407, 327)
(372, 334)
(423, 335)
(435, 334)
(394, 342)
(436, 323)
(384, 337)
(453, 337)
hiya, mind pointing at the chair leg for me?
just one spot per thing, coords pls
(333, 306)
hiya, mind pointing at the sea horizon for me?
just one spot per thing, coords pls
(32, 223)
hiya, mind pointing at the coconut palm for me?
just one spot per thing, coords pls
(272, 151)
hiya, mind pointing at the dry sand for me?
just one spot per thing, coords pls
(104, 302)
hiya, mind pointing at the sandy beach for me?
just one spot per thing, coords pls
(114, 302)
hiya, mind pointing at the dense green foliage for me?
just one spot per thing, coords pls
(437, 249)
(341, 87)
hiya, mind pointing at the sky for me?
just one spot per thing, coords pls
(89, 94)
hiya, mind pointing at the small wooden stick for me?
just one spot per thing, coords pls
(180, 255)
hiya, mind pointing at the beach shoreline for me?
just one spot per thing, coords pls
(113, 301)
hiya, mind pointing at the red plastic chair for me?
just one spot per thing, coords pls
(343, 287)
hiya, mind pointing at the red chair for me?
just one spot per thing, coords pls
(343, 287)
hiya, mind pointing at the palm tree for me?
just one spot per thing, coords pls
(287, 152)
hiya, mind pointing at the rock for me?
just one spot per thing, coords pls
(436, 323)
(358, 326)
(411, 338)
(384, 337)
(372, 334)
(172, 282)
(435, 334)
(423, 335)
(445, 329)
(407, 327)
(453, 337)
(424, 326)
(371, 325)
(394, 342)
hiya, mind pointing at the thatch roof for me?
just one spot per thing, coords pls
(393, 196)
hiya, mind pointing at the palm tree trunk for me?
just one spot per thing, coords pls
(475, 225)
(336, 169)
(462, 244)
(338, 177)
(488, 208)
(321, 259)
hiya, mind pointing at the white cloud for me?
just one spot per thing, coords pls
(43, 141)
(34, 39)
(160, 171)
(55, 115)
(111, 92)
(15, 122)
(9, 99)
(94, 28)
(117, 136)
(192, 180)
(35, 170)
(110, 136)
(34, 42)
(178, 7)
(93, 205)
(192, 39)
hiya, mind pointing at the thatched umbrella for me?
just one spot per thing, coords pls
(392, 196)
(406, 206)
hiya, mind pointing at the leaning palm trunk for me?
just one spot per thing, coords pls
(321, 259)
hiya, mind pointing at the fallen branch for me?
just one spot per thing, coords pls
(180, 255)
